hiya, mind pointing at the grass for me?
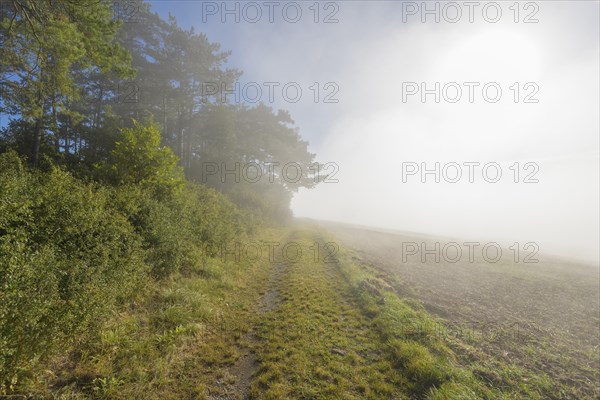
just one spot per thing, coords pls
(178, 341)
(439, 365)
(325, 326)
(317, 343)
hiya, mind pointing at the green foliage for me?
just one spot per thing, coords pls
(139, 159)
(71, 253)
(182, 231)
(66, 258)
(45, 44)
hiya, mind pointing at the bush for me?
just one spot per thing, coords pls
(138, 159)
(71, 252)
(66, 258)
(179, 233)
(268, 201)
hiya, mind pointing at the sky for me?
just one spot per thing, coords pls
(529, 108)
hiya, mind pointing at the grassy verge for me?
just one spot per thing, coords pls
(178, 341)
(438, 363)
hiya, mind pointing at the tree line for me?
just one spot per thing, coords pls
(72, 76)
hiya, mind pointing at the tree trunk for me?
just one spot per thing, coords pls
(37, 140)
(56, 132)
(37, 132)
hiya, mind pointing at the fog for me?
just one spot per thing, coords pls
(372, 132)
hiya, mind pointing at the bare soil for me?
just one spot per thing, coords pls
(550, 309)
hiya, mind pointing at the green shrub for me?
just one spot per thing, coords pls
(268, 201)
(66, 258)
(180, 232)
(139, 159)
(71, 252)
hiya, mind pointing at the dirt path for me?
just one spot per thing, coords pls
(313, 340)
(246, 366)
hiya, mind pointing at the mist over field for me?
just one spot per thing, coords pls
(374, 132)
(370, 131)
